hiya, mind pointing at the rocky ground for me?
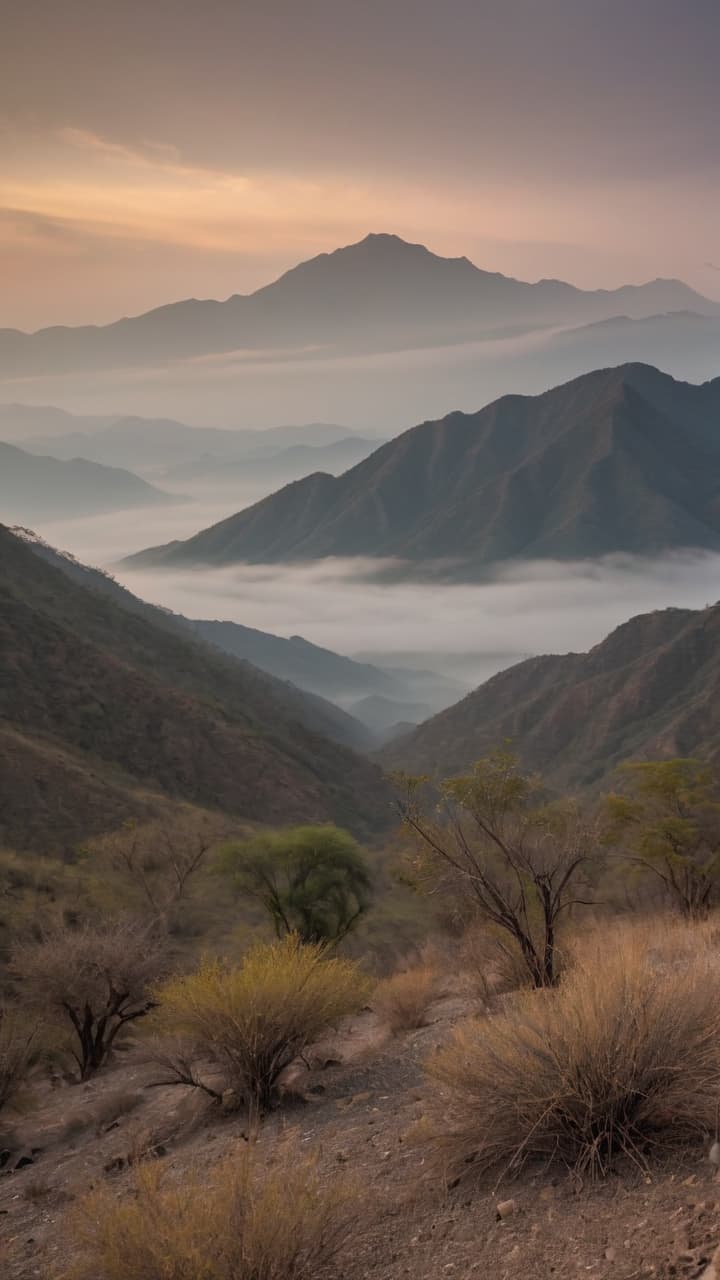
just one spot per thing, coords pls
(357, 1105)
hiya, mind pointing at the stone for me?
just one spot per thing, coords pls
(505, 1208)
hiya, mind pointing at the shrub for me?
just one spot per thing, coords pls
(241, 1224)
(252, 1020)
(622, 1058)
(18, 1042)
(403, 999)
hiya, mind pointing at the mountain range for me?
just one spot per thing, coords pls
(620, 460)
(651, 689)
(34, 487)
(379, 294)
(108, 705)
(153, 445)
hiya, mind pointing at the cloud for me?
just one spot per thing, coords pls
(466, 630)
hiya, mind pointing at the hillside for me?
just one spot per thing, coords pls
(115, 702)
(319, 673)
(623, 459)
(381, 293)
(650, 689)
(34, 486)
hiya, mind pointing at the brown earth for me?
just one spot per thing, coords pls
(356, 1106)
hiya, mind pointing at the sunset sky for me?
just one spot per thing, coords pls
(152, 150)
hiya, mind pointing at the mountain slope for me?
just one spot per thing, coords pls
(318, 681)
(33, 486)
(379, 294)
(116, 695)
(621, 459)
(651, 689)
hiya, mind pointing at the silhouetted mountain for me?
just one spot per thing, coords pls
(651, 689)
(379, 294)
(148, 444)
(32, 486)
(102, 704)
(621, 459)
(274, 467)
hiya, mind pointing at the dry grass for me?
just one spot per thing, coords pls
(492, 962)
(402, 1000)
(241, 1224)
(622, 1059)
(249, 1022)
(18, 1043)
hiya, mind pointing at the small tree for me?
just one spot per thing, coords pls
(156, 864)
(492, 835)
(96, 978)
(248, 1022)
(313, 881)
(668, 823)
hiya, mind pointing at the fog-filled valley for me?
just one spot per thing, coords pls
(360, 642)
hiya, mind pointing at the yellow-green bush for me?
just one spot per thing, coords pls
(403, 999)
(239, 1224)
(250, 1021)
(623, 1058)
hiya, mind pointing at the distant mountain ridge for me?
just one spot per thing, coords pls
(151, 444)
(379, 294)
(619, 460)
(650, 689)
(33, 486)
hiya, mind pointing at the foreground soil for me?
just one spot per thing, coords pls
(357, 1105)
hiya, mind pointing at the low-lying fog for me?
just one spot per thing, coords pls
(464, 630)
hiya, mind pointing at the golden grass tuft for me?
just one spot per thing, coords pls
(240, 1223)
(402, 1000)
(622, 1059)
(250, 1021)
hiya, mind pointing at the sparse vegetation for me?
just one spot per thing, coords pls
(94, 981)
(18, 1043)
(245, 1024)
(242, 1223)
(403, 999)
(668, 823)
(313, 881)
(621, 1059)
(495, 838)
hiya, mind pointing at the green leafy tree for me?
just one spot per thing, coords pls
(668, 823)
(313, 881)
(490, 836)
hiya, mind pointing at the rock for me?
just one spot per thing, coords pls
(5, 1155)
(505, 1208)
(610, 1254)
(25, 1158)
(230, 1100)
(714, 1154)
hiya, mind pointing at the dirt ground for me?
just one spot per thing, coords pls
(357, 1106)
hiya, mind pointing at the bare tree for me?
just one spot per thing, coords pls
(491, 834)
(158, 862)
(97, 978)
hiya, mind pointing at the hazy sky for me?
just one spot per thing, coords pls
(153, 151)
